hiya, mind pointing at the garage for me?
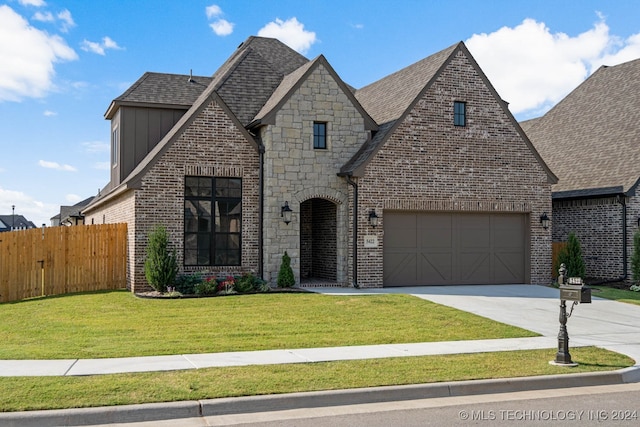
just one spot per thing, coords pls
(454, 248)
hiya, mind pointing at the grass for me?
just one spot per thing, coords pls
(36, 393)
(118, 324)
(621, 295)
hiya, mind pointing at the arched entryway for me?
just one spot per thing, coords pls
(318, 241)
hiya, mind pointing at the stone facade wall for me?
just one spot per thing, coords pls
(597, 223)
(296, 172)
(428, 164)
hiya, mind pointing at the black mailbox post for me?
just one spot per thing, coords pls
(571, 289)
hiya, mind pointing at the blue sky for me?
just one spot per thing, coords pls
(63, 61)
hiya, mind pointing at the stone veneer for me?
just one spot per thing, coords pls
(296, 172)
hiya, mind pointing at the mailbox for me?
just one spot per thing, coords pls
(575, 290)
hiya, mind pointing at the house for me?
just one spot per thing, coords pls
(14, 222)
(423, 177)
(71, 215)
(590, 140)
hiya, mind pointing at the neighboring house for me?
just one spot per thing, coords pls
(421, 178)
(71, 215)
(15, 222)
(591, 140)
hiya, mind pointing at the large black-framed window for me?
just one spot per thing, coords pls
(212, 221)
(319, 135)
(459, 113)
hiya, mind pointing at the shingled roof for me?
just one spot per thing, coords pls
(591, 138)
(158, 89)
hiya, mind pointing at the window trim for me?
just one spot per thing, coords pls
(115, 146)
(213, 234)
(459, 117)
(319, 138)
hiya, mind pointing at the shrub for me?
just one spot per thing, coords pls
(208, 286)
(635, 259)
(571, 256)
(160, 266)
(186, 283)
(285, 275)
(250, 283)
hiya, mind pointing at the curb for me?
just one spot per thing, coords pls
(281, 402)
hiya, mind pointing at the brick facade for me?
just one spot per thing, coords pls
(426, 165)
(430, 165)
(212, 146)
(598, 225)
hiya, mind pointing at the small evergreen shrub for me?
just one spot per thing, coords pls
(571, 256)
(186, 283)
(635, 259)
(161, 265)
(286, 278)
(244, 284)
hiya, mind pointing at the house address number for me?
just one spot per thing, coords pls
(370, 241)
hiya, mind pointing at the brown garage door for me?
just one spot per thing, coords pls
(453, 248)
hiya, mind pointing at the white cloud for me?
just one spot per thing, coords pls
(43, 17)
(67, 20)
(290, 32)
(96, 147)
(103, 166)
(533, 68)
(36, 3)
(49, 113)
(27, 56)
(222, 27)
(56, 166)
(213, 11)
(100, 47)
(73, 198)
(25, 205)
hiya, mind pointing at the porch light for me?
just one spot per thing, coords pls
(544, 220)
(373, 218)
(285, 213)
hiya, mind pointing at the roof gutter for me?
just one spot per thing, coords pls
(355, 228)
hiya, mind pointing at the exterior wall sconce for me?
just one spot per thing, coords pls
(544, 220)
(373, 218)
(285, 213)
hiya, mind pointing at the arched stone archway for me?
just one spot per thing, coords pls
(318, 241)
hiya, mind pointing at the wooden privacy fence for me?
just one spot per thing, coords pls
(60, 260)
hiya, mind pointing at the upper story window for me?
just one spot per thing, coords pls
(114, 147)
(212, 221)
(459, 113)
(319, 135)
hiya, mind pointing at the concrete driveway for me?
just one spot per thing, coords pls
(604, 323)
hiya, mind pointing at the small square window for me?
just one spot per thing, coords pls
(459, 113)
(319, 135)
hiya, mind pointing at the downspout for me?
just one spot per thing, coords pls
(261, 211)
(355, 230)
(622, 201)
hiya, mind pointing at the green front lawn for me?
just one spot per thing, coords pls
(34, 393)
(622, 295)
(118, 324)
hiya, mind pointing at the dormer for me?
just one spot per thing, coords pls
(145, 113)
